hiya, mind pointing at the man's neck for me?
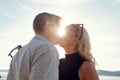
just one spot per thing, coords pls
(45, 35)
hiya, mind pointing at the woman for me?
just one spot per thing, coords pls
(78, 63)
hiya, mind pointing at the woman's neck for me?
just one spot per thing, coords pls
(70, 50)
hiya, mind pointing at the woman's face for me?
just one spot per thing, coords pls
(69, 38)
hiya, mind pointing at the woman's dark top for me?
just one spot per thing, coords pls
(69, 66)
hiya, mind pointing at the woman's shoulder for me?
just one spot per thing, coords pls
(87, 66)
(88, 70)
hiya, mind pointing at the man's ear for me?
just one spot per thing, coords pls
(47, 26)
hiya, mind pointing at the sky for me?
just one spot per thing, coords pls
(100, 18)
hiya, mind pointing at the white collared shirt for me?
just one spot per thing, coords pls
(38, 60)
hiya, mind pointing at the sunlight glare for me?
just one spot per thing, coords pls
(61, 31)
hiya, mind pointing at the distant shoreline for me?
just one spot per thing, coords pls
(108, 73)
(100, 72)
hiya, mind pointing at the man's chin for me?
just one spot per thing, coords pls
(60, 45)
(55, 43)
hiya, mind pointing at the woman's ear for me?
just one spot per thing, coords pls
(76, 39)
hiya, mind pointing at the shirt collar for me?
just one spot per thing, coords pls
(40, 37)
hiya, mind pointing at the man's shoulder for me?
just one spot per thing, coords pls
(39, 46)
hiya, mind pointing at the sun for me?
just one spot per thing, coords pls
(63, 25)
(61, 31)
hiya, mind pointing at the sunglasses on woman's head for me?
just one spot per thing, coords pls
(80, 27)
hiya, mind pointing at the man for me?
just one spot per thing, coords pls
(38, 60)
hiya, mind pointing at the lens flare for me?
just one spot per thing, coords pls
(61, 31)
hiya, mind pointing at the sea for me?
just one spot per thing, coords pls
(4, 75)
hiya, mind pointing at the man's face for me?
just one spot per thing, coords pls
(54, 34)
(69, 38)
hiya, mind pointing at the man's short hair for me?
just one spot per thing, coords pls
(41, 19)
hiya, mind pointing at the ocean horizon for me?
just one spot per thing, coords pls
(4, 76)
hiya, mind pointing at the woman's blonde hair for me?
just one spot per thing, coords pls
(84, 46)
